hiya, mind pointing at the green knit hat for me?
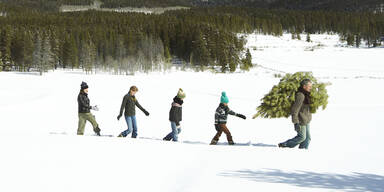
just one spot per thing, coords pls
(224, 98)
(181, 94)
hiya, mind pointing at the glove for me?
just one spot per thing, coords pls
(146, 113)
(118, 117)
(95, 108)
(241, 116)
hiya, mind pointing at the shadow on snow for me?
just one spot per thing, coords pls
(354, 182)
(186, 142)
(220, 143)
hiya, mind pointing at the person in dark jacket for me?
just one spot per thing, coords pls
(129, 105)
(175, 116)
(85, 111)
(221, 116)
(301, 117)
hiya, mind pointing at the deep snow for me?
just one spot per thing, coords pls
(40, 151)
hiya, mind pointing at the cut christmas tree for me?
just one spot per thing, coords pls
(277, 103)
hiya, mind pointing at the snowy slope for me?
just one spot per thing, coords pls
(345, 153)
(324, 55)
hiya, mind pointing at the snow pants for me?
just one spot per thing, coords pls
(83, 118)
(220, 128)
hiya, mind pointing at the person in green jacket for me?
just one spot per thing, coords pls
(301, 117)
(129, 105)
(85, 111)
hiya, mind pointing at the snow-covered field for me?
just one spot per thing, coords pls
(40, 151)
(97, 6)
(324, 55)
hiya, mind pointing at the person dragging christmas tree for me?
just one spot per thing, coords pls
(129, 105)
(84, 111)
(175, 116)
(221, 116)
(301, 117)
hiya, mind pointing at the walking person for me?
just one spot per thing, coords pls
(175, 116)
(84, 111)
(129, 105)
(301, 117)
(221, 116)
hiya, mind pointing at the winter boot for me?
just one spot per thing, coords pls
(120, 135)
(214, 142)
(97, 131)
(282, 145)
(231, 143)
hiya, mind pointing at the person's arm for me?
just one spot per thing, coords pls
(123, 104)
(236, 114)
(141, 108)
(231, 112)
(296, 107)
(217, 116)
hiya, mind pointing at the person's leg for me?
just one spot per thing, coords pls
(128, 120)
(217, 136)
(134, 127)
(300, 137)
(91, 118)
(170, 135)
(305, 143)
(174, 131)
(225, 129)
(81, 124)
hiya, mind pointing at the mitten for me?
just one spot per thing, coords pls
(241, 116)
(95, 108)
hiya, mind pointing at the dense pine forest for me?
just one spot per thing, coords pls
(36, 38)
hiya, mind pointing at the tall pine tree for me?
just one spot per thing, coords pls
(5, 47)
(247, 61)
(200, 53)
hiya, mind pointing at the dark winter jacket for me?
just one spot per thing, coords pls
(175, 114)
(129, 105)
(222, 113)
(301, 110)
(83, 101)
(307, 99)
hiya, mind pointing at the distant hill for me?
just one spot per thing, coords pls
(336, 5)
(44, 5)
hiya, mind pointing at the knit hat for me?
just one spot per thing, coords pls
(181, 94)
(84, 85)
(224, 98)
